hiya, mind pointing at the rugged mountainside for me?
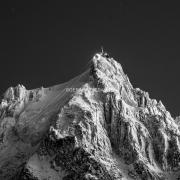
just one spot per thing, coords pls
(94, 127)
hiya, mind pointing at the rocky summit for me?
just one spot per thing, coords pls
(96, 126)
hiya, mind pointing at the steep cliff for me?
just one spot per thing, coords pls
(94, 127)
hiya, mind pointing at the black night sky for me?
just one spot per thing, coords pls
(43, 43)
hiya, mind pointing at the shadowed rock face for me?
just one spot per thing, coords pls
(94, 127)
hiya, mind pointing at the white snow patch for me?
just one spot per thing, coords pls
(40, 167)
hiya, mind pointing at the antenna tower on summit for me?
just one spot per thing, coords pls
(102, 50)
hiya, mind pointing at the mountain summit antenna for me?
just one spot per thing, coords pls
(103, 53)
(102, 50)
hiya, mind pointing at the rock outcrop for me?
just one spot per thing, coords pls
(94, 127)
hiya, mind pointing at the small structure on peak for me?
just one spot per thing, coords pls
(102, 50)
(103, 53)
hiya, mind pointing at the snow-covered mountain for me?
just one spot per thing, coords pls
(93, 127)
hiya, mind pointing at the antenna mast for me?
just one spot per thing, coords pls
(102, 50)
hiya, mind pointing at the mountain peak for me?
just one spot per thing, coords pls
(96, 126)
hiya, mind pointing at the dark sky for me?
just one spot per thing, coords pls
(43, 43)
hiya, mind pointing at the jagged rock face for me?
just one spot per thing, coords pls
(94, 127)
